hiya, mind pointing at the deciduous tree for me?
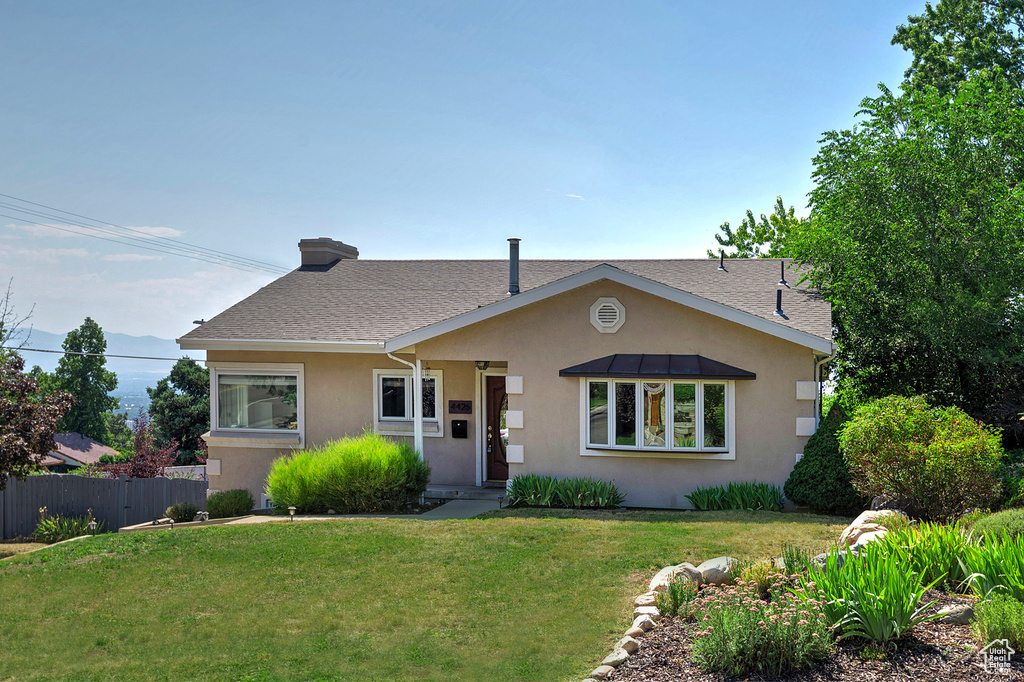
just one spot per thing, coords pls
(180, 404)
(917, 239)
(767, 238)
(956, 39)
(82, 372)
(28, 420)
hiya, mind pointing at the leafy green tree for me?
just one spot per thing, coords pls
(767, 238)
(119, 434)
(917, 239)
(28, 420)
(87, 379)
(180, 404)
(956, 39)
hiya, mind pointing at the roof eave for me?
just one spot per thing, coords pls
(186, 343)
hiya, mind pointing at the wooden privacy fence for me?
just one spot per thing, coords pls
(118, 502)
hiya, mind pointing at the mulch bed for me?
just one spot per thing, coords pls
(932, 651)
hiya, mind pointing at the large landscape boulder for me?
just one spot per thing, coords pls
(717, 571)
(664, 577)
(869, 521)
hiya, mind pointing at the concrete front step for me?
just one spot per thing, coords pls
(464, 492)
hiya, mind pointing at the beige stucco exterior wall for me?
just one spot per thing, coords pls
(536, 342)
(541, 339)
(338, 402)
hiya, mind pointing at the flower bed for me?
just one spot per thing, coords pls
(866, 612)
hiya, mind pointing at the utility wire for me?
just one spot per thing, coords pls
(90, 355)
(142, 233)
(157, 243)
(247, 268)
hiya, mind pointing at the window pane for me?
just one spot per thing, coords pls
(599, 412)
(392, 397)
(714, 415)
(654, 415)
(257, 402)
(684, 415)
(428, 399)
(625, 414)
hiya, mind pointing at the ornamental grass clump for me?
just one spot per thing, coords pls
(933, 550)
(995, 566)
(366, 474)
(741, 633)
(57, 528)
(531, 490)
(741, 495)
(867, 595)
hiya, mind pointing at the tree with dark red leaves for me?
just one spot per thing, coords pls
(28, 420)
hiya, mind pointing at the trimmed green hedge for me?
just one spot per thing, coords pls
(227, 503)
(353, 475)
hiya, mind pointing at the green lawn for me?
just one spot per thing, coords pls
(520, 595)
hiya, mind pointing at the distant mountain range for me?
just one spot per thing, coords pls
(134, 375)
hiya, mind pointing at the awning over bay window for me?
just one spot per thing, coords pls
(645, 365)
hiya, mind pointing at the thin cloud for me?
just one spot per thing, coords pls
(61, 230)
(575, 196)
(129, 257)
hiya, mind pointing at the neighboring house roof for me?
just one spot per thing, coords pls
(395, 303)
(74, 447)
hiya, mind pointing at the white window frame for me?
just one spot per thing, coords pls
(403, 426)
(219, 369)
(669, 450)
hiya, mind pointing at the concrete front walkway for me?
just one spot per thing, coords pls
(456, 509)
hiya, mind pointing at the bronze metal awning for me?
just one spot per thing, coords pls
(643, 365)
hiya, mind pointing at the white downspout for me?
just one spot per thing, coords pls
(417, 404)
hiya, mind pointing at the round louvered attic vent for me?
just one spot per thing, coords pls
(607, 315)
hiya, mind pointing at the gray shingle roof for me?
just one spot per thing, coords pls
(375, 300)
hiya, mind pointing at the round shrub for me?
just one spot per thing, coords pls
(227, 503)
(182, 512)
(938, 458)
(821, 479)
(1009, 522)
(353, 475)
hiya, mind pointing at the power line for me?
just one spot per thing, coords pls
(142, 233)
(241, 266)
(155, 243)
(90, 355)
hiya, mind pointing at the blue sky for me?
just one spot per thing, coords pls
(409, 129)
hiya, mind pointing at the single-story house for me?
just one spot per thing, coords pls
(74, 450)
(660, 375)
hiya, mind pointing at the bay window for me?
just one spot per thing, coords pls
(657, 415)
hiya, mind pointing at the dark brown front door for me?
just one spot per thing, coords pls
(495, 433)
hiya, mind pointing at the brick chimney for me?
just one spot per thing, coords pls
(324, 251)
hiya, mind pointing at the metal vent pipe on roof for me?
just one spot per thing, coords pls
(778, 302)
(513, 266)
(782, 281)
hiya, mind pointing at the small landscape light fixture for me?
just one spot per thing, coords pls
(483, 364)
(92, 527)
(156, 521)
(291, 513)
